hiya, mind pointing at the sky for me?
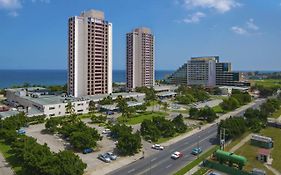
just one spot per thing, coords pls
(33, 33)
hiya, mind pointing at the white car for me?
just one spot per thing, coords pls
(157, 147)
(176, 155)
(106, 131)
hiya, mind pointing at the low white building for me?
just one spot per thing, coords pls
(39, 101)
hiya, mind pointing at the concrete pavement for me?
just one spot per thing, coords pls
(5, 169)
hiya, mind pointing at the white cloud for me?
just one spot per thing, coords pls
(251, 25)
(221, 6)
(249, 28)
(239, 30)
(12, 6)
(194, 18)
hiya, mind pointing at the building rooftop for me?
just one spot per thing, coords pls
(6, 114)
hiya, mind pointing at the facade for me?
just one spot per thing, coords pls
(208, 72)
(89, 54)
(225, 76)
(179, 76)
(140, 58)
(202, 71)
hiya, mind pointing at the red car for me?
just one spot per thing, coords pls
(176, 155)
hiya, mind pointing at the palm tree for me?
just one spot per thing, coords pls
(165, 106)
(92, 106)
(71, 111)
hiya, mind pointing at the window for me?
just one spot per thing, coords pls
(51, 108)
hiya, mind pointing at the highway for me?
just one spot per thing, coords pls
(161, 163)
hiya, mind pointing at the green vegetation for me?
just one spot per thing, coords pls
(201, 171)
(128, 143)
(236, 100)
(276, 83)
(276, 114)
(236, 140)
(218, 109)
(235, 127)
(106, 101)
(197, 161)
(27, 157)
(150, 94)
(208, 114)
(187, 95)
(266, 87)
(159, 127)
(81, 136)
(275, 134)
(250, 152)
(140, 117)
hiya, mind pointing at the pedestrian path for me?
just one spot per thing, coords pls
(241, 143)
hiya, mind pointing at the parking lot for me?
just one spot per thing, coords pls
(94, 165)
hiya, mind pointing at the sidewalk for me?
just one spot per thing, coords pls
(5, 169)
(241, 143)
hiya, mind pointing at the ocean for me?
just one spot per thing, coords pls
(9, 78)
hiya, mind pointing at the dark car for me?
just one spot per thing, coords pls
(87, 150)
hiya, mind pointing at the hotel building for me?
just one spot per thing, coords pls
(140, 58)
(89, 54)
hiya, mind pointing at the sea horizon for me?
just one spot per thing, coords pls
(47, 77)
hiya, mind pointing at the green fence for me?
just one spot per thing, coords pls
(224, 168)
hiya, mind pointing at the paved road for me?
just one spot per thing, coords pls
(5, 169)
(161, 163)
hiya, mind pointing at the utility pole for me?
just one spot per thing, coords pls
(222, 138)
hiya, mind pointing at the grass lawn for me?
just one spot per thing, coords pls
(275, 134)
(218, 109)
(5, 150)
(268, 82)
(250, 152)
(196, 161)
(201, 171)
(138, 118)
(276, 114)
(236, 141)
(219, 97)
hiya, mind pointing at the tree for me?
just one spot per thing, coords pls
(141, 108)
(70, 108)
(82, 140)
(149, 131)
(52, 125)
(106, 101)
(120, 130)
(150, 93)
(129, 144)
(193, 113)
(98, 118)
(165, 126)
(179, 124)
(234, 127)
(69, 163)
(165, 106)
(92, 106)
(230, 104)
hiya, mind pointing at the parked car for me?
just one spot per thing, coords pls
(111, 156)
(21, 131)
(196, 151)
(176, 155)
(109, 112)
(157, 147)
(87, 150)
(104, 157)
(106, 131)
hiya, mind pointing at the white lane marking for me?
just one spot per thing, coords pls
(132, 170)
(169, 166)
(153, 159)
